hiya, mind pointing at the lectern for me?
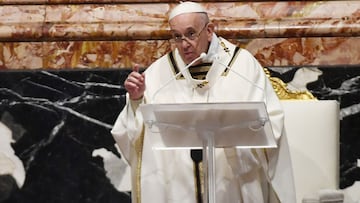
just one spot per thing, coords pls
(208, 126)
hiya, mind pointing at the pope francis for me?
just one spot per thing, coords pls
(203, 68)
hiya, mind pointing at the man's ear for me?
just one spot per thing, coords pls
(210, 30)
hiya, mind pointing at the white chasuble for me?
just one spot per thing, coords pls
(242, 175)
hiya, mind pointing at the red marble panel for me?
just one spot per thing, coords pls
(311, 51)
(103, 54)
(21, 55)
(149, 21)
(116, 34)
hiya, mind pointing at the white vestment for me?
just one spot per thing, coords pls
(242, 175)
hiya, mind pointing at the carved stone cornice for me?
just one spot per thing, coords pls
(72, 20)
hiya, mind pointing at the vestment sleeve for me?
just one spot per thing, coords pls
(128, 127)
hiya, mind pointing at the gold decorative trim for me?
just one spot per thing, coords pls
(139, 143)
(201, 174)
(284, 93)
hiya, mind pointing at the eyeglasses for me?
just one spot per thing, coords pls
(188, 36)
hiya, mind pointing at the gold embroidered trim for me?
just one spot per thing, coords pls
(199, 72)
(226, 49)
(201, 172)
(139, 143)
(236, 53)
(195, 182)
(173, 64)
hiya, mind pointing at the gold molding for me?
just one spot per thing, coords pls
(284, 93)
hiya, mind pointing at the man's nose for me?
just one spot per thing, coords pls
(185, 43)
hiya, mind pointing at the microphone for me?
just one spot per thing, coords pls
(202, 56)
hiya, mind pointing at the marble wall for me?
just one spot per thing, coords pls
(62, 64)
(60, 124)
(61, 34)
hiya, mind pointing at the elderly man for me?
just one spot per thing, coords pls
(203, 68)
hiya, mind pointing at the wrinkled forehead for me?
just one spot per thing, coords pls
(184, 20)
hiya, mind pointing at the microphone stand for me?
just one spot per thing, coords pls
(196, 156)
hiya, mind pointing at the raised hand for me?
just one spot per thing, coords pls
(135, 83)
